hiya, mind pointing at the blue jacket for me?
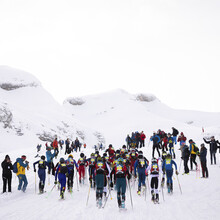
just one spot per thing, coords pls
(168, 165)
(46, 164)
(61, 174)
(170, 141)
(139, 168)
(155, 139)
(50, 156)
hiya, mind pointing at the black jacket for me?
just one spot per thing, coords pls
(6, 169)
(213, 145)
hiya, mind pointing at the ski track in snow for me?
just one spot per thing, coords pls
(200, 198)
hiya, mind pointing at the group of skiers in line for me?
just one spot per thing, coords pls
(136, 140)
(114, 167)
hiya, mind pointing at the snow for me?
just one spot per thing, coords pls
(114, 114)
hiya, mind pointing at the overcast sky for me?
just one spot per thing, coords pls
(170, 48)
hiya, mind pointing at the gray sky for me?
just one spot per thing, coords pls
(77, 47)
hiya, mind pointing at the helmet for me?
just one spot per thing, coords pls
(71, 155)
(190, 140)
(99, 158)
(120, 160)
(104, 155)
(124, 147)
(140, 152)
(62, 160)
(97, 152)
(92, 154)
(168, 155)
(42, 157)
(154, 160)
(82, 155)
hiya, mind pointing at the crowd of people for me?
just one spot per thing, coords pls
(116, 169)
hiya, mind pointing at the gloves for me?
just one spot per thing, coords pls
(35, 170)
(177, 172)
(55, 182)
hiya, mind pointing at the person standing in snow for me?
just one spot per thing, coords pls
(82, 163)
(142, 139)
(6, 173)
(67, 143)
(156, 140)
(21, 172)
(185, 157)
(174, 134)
(55, 146)
(41, 172)
(181, 139)
(213, 148)
(203, 154)
(50, 157)
(193, 152)
(171, 145)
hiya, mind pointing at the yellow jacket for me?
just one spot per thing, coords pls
(21, 166)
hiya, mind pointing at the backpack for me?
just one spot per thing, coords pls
(15, 168)
(196, 149)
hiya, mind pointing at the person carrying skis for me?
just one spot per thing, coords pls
(213, 148)
(171, 145)
(82, 163)
(41, 172)
(6, 173)
(193, 152)
(21, 172)
(174, 134)
(100, 172)
(140, 166)
(70, 165)
(120, 172)
(154, 170)
(156, 140)
(62, 171)
(203, 154)
(50, 157)
(167, 168)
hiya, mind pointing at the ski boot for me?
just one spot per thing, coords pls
(168, 187)
(152, 193)
(157, 199)
(100, 202)
(171, 188)
(139, 191)
(62, 194)
(122, 204)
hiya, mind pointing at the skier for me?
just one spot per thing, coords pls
(213, 148)
(62, 171)
(168, 169)
(70, 165)
(154, 169)
(21, 172)
(203, 154)
(92, 162)
(156, 140)
(6, 173)
(165, 142)
(67, 143)
(128, 141)
(41, 172)
(82, 165)
(140, 165)
(100, 172)
(55, 147)
(120, 172)
(171, 141)
(181, 139)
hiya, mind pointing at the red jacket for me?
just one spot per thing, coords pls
(142, 136)
(55, 144)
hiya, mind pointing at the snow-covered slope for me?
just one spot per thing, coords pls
(27, 110)
(118, 113)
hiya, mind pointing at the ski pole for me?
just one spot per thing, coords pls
(130, 193)
(109, 190)
(180, 165)
(50, 191)
(35, 183)
(148, 185)
(88, 195)
(77, 181)
(179, 184)
(106, 200)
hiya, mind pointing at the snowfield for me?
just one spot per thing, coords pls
(106, 117)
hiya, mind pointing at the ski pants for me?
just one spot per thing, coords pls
(156, 146)
(22, 181)
(121, 188)
(141, 143)
(70, 179)
(99, 179)
(62, 181)
(141, 177)
(81, 172)
(6, 181)
(192, 160)
(204, 169)
(172, 153)
(212, 155)
(51, 167)
(169, 174)
(42, 177)
(185, 163)
(154, 184)
(174, 138)
(92, 173)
